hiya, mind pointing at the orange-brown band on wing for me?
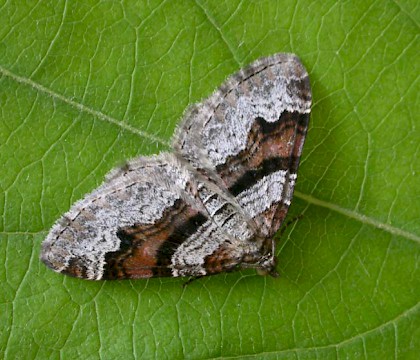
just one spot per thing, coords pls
(270, 147)
(146, 250)
(274, 216)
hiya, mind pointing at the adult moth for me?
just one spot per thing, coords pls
(211, 205)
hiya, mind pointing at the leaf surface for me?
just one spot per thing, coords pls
(86, 85)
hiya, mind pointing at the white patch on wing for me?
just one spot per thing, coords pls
(228, 136)
(263, 194)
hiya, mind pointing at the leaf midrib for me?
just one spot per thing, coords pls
(357, 216)
(81, 107)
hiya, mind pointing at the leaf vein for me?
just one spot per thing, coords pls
(357, 216)
(81, 107)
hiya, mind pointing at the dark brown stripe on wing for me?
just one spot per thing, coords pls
(183, 228)
(275, 215)
(139, 253)
(270, 147)
(251, 177)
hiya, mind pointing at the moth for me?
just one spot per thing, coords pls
(211, 205)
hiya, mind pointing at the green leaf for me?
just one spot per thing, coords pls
(85, 85)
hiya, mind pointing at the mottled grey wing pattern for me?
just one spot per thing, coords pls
(211, 206)
(146, 221)
(122, 228)
(248, 137)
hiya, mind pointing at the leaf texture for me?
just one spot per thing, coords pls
(84, 86)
